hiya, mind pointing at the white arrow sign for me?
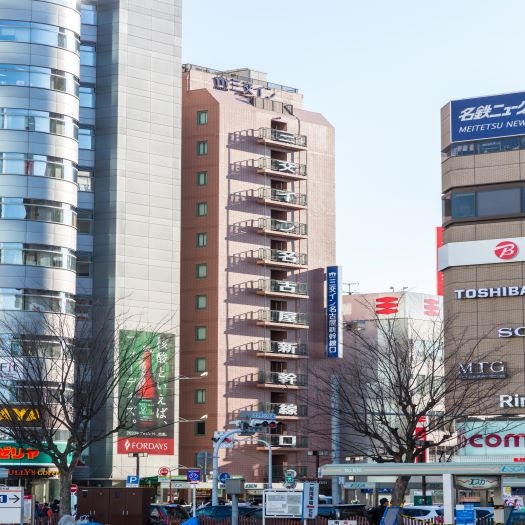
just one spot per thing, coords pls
(11, 505)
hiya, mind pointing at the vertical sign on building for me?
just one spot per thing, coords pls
(334, 324)
(147, 394)
(439, 243)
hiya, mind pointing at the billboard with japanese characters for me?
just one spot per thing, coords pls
(334, 313)
(147, 394)
(487, 117)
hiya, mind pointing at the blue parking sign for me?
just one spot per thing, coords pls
(132, 481)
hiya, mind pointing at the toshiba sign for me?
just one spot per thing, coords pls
(491, 439)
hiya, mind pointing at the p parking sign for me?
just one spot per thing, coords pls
(132, 481)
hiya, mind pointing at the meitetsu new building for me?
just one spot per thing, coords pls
(483, 263)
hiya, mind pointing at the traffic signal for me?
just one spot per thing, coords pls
(261, 425)
(226, 442)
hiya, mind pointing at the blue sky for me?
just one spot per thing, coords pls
(379, 71)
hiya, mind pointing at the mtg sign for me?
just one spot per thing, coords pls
(483, 370)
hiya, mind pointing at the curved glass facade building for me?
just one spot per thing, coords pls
(90, 116)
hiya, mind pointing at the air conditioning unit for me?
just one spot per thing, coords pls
(287, 441)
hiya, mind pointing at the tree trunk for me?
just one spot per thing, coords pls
(400, 488)
(65, 477)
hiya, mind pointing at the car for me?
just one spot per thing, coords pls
(343, 511)
(424, 512)
(167, 514)
(224, 511)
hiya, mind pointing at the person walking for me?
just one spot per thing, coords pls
(377, 512)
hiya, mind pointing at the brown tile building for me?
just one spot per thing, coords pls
(483, 256)
(258, 230)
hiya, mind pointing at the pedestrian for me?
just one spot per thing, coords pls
(377, 512)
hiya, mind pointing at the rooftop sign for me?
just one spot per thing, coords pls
(487, 117)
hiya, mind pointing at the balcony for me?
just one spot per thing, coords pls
(275, 287)
(282, 348)
(282, 169)
(282, 139)
(282, 379)
(284, 410)
(285, 441)
(281, 318)
(283, 199)
(280, 228)
(282, 258)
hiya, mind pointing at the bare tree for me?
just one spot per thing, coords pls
(395, 395)
(62, 390)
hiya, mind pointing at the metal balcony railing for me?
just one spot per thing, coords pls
(284, 409)
(283, 167)
(277, 286)
(283, 256)
(281, 226)
(284, 137)
(280, 440)
(283, 348)
(286, 197)
(282, 316)
(283, 378)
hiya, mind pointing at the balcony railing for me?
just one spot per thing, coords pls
(287, 227)
(283, 256)
(282, 167)
(279, 440)
(282, 348)
(284, 409)
(281, 316)
(284, 137)
(285, 287)
(287, 198)
(278, 473)
(283, 378)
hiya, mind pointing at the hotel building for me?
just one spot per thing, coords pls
(258, 216)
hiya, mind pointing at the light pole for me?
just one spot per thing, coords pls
(269, 445)
(215, 465)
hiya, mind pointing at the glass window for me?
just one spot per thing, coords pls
(463, 205)
(202, 147)
(202, 117)
(84, 264)
(88, 54)
(200, 396)
(202, 178)
(201, 270)
(200, 428)
(202, 209)
(85, 221)
(85, 179)
(499, 202)
(200, 333)
(201, 302)
(88, 14)
(86, 94)
(202, 239)
(86, 137)
(200, 364)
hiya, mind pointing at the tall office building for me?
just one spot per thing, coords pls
(90, 181)
(483, 262)
(258, 215)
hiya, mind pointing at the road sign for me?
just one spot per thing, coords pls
(164, 471)
(249, 414)
(224, 476)
(132, 481)
(193, 475)
(11, 501)
(73, 488)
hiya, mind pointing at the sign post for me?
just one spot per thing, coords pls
(193, 475)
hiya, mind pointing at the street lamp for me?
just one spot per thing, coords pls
(269, 445)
